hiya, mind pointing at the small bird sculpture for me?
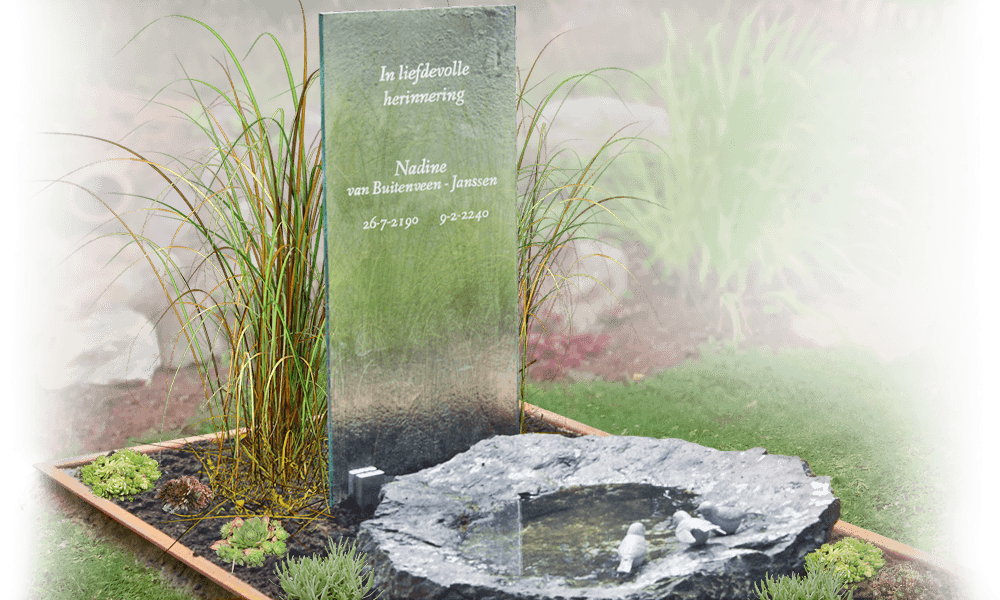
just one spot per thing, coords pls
(632, 549)
(726, 517)
(692, 530)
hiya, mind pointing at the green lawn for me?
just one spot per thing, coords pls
(72, 563)
(849, 415)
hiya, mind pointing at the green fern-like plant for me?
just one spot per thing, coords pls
(335, 577)
(822, 584)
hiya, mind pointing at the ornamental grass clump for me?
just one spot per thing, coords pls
(338, 576)
(553, 206)
(275, 377)
(121, 475)
(256, 201)
(248, 542)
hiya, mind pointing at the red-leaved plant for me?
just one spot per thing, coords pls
(551, 354)
(184, 493)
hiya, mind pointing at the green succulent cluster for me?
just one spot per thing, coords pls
(249, 542)
(854, 559)
(337, 576)
(123, 474)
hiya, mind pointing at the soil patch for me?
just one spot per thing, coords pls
(308, 538)
(311, 538)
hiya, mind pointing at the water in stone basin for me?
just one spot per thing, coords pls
(575, 532)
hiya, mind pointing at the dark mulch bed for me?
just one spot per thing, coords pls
(312, 538)
(307, 538)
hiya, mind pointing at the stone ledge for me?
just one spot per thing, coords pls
(885, 544)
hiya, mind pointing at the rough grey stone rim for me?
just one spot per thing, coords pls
(427, 549)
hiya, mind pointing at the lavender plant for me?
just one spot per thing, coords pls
(822, 585)
(338, 575)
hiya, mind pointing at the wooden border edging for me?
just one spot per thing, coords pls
(896, 549)
(561, 421)
(161, 540)
(227, 581)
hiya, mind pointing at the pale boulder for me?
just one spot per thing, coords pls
(106, 348)
(586, 123)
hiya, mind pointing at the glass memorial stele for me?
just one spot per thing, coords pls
(421, 235)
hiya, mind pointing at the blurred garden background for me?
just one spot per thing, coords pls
(86, 58)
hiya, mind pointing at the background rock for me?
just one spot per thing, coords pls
(579, 127)
(83, 352)
(587, 281)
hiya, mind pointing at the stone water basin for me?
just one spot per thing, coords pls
(566, 533)
(538, 516)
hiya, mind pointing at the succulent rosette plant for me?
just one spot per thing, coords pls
(248, 542)
(121, 475)
(853, 559)
(184, 493)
